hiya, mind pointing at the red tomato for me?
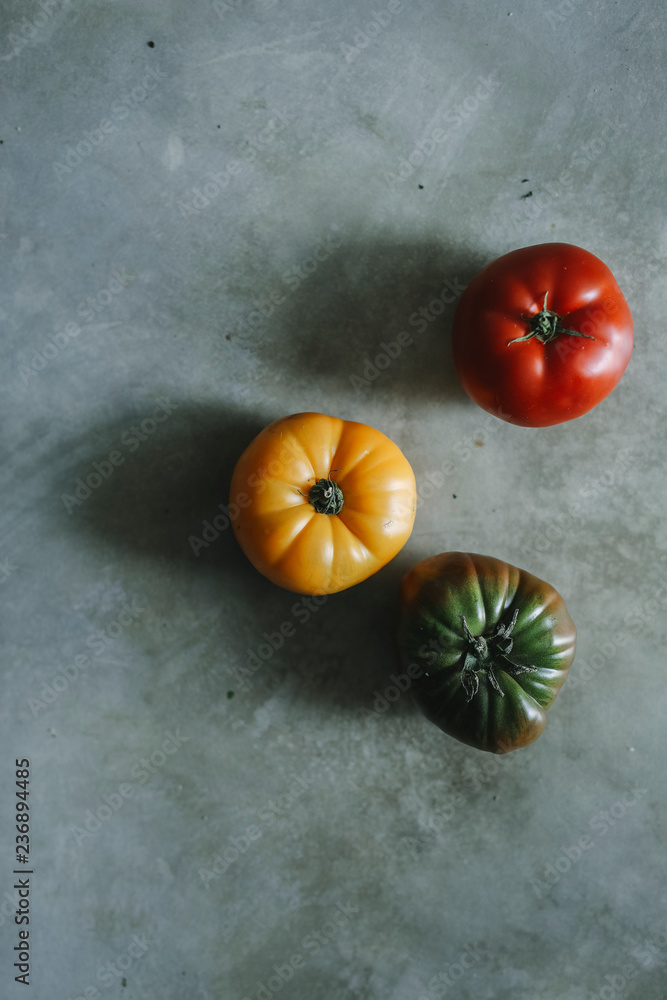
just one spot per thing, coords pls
(542, 335)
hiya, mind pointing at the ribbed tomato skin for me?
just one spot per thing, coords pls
(531, 383)
(486, 591)
(291, 543)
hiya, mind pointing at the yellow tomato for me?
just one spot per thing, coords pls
(323, 503)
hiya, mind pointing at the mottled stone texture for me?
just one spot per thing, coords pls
(216, 214)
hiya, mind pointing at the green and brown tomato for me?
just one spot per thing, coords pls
(495, 644)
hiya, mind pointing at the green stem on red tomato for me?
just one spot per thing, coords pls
(545, 326)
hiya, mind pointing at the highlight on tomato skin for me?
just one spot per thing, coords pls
(542, 335)
(323, 503)
(488, 646)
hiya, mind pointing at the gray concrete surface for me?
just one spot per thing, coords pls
(221, 228)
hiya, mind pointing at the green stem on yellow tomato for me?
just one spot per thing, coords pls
(326, 497)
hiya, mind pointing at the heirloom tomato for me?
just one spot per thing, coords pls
(542, 335)
(494, 644)
(323, 503)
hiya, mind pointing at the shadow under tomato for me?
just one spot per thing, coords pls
(152, 484)
(374, 314)
(160, 491)
(343, 649)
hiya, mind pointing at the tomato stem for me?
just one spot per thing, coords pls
(545, 326)
(489, 654)
(326, 497)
